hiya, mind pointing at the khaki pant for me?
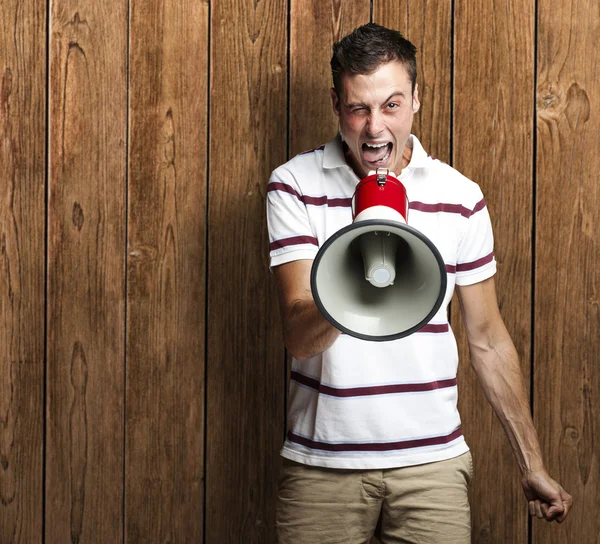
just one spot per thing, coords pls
(424, 504)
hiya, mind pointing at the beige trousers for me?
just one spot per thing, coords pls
(423, 504)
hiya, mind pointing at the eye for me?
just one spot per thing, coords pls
(393, 105)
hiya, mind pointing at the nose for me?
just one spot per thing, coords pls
(374, 123)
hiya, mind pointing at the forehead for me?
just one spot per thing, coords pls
(384, 81)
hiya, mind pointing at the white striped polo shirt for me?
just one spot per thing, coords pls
(375, 405)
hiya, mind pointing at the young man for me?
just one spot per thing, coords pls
(373, 426)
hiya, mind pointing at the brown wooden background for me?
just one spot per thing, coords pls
(142, 373)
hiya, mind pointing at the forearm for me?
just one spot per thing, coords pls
(497, 367)
(306, 331)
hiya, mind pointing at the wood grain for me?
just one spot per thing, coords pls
(86, 222)
(22, 226)
(166, 271)
(427, 24)
(492, 143)
(315, 26)
(567, 259)
(245, 375)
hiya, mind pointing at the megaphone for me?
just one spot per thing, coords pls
(378, 279)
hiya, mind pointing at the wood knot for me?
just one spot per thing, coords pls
(550, 100)
(6, 88)
(577, 108)
(77, 20)
(79, 368)
(77, 216)
(143, 253)
(570, 436)
(553, 102)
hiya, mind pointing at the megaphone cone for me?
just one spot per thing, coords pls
(378, 278)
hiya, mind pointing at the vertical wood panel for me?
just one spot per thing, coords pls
(22, 146)
(315, 26)
(245, 391)
(492, 144)
(427, 25)
(166, 271)
(84, 486)
(567, 316)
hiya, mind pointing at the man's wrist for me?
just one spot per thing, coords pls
(532, 465)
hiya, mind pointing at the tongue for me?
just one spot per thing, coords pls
(374, 154)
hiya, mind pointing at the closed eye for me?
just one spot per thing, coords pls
(359, 111)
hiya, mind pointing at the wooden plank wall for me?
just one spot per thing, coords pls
(142, 374)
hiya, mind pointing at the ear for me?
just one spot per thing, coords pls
(416, 104)
(335, 101)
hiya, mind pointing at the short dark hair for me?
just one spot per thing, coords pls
(368, 47)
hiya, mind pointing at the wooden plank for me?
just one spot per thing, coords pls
(315, 26)
(166, 271)
(428, 26)
(492, 145)
(245, 374)
(22, 222)
(86, 270)
(567, 259)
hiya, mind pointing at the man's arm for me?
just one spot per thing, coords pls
(496, 364)
(306, 332)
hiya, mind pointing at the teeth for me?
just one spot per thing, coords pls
(375, 146)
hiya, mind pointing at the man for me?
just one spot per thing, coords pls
(373, 426)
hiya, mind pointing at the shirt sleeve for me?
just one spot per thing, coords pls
(291, 236)
(475, 260)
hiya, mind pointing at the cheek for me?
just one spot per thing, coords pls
(351, 125)
(401, 124)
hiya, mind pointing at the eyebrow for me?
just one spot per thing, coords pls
(396, 93)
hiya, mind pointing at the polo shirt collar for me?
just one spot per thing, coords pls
(334, 154)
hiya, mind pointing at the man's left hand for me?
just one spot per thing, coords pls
(547, 499)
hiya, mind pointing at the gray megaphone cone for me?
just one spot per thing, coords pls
(378, 279)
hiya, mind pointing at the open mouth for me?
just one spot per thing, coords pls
(377, 153)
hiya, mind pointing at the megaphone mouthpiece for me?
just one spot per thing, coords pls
(378, 250)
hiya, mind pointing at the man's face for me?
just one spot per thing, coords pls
(376, 114)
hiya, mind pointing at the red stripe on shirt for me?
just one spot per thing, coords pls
(339, 202)
(443, 327)
(326, 201)
(345, 392)
(446, 208)
(463, 267)
(479, 206)
(346, 202)
(283, 187)
(293, 241)
(431, 328)
(375, 446)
